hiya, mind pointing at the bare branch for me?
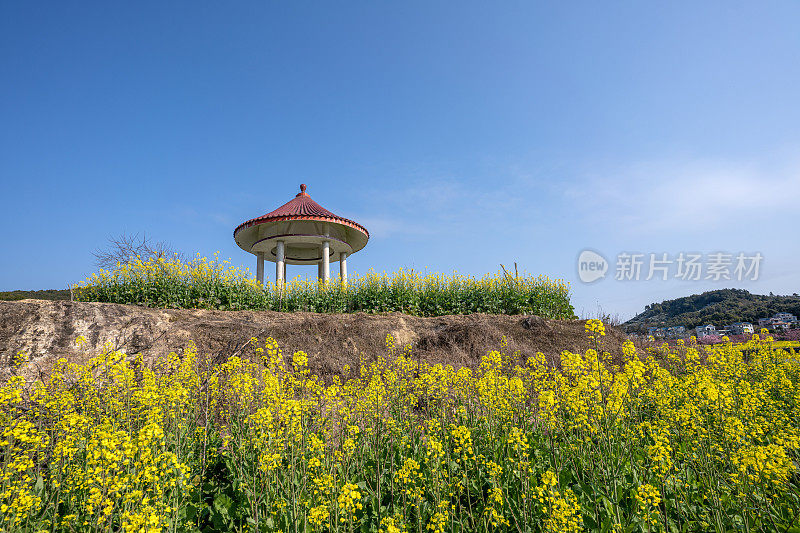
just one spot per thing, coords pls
(125, 248)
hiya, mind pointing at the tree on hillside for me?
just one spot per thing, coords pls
(125, 248)
(719, 307)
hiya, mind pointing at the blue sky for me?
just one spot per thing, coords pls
(462, 135)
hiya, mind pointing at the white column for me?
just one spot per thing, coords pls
(280, 264)
(260, 267)
(326, 261)
(343, 267)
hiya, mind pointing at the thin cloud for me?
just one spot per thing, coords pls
(443, 205)
(685, 195)
(382, 227)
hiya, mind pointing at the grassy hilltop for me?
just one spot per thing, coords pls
(212, 284)
(46, 294)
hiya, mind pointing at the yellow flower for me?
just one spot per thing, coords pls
(648, 498)
(349, 502)
(595, 327)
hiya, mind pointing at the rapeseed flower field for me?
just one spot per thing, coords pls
(213, 284)
(682, 438)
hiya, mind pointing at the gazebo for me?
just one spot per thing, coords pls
(301, 232)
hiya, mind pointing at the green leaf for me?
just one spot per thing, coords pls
(223, 504)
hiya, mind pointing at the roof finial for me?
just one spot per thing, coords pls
(302, 187)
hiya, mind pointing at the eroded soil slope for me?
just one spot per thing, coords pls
(47, 330)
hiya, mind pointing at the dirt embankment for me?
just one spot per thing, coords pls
(46, 330)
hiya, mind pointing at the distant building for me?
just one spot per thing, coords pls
(741, 328)
(705, 331)
(784, 317)
(676, 332)
(778, 322)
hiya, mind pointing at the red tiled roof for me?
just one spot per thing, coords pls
(301, 207)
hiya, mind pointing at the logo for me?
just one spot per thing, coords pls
(591, 266)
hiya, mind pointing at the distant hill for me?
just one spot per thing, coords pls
(719, 307)
(47, 294)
